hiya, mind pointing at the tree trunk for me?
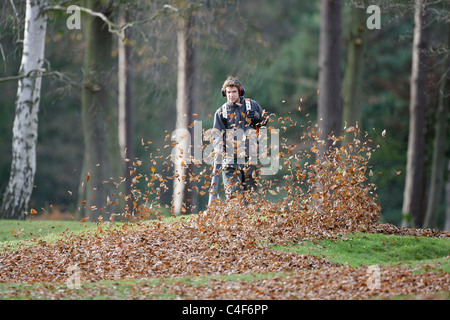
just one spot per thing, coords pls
(353, 77)
(186, 86)
(25, 129)
(439, 146)
(413, 196)
(101, 155)
(329, 102)
(126, 110)
(447, 200)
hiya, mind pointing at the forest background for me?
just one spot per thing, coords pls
(272, 46)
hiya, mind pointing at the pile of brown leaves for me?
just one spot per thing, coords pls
(332, 283)
(235, 242)
(324, 199)
(327, 198)
(151, 250)
(329, 283)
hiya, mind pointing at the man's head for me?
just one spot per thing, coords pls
(233, 89)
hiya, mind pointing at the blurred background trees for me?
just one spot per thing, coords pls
(273, 47)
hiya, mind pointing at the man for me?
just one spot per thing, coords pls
(236, 125)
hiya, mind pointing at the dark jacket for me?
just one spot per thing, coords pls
(228, 119)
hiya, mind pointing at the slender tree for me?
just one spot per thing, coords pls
(185, 103)
(353, 76)
(25, 129)
(447, 200)
(329, 103)
(101, 164)
(413, 195)
(439, 146)
(126, 107)
(189, 16)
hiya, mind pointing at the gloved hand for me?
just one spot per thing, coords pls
(253, 115)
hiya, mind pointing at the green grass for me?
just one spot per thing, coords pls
(13, 230)
(15, 233)
(355, 249)
(100, 290)
(362, 249)
(153, 288)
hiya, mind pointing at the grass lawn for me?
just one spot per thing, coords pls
(13, 230)
(355, 250)
(370, 249)
(14, 233)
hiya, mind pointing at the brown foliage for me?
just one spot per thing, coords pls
(324, 199)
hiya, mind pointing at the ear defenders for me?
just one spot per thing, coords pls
(241, 91)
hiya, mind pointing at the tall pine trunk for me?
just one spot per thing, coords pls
(99, 121)
(329, 102)
(25, 129)
(353, 76)
(447, 200)
(184, 201)
(126, 110)
(413, 196)
(439, 147)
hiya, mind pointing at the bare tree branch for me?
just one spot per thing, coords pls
(112, 27)
(35, 73)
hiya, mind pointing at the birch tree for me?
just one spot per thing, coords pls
(18, 192)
